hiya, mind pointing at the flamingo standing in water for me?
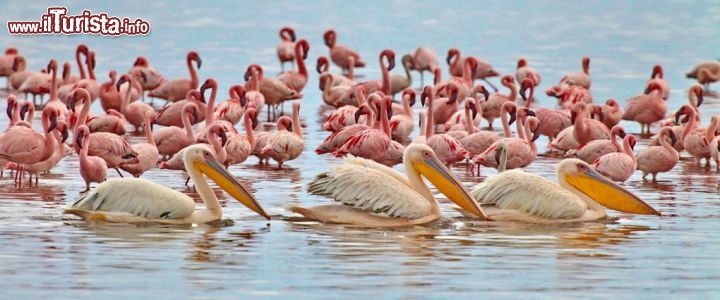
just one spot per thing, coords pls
(176, 89)
(54, 101)
(494, 102)
(92, 168)
(657, 76)
(6, 64)
(109, 146)
(152, 202)
(273, 90)
(340, 54)
(402, 123)
(201, 130)
(523, 71)
(90, 83)
(657, 159)
(20, 72)
(447, 148)
(345, 115)
(581, 79)
(705, 73)
(618, 166)
(22, 145)
(522, 149)
(597, 148)
(371, 143)
(383, 85)
(586, 129)
(323, 66)
(696, 140)
(399, 82)
(297, 80)
(215, 132)
(647, 108)
(45, 165)
(610, 113)
(112, 121)
(240, 147)
(286, 48)
(171, 115)
(338, 138)
(135, 111)
(151, 78)
(695, 99)
(477, 141)
(232, 110)
(483, 70)
(169, 140)
(551, 121)
(67, 87)
(424, 59)
(147, 153)
(332, 93)
(284, 145)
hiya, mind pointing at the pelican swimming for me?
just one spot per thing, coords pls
(515, 195)
(376, 195)
(130, 200)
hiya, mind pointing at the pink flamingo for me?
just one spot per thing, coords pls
(22, 145)
(232, 110)
(565, 140)
(446, 106)
(646, 108)
(618, 166)
(695, 99)
(459, 131)
(657, 76)
(491, 106)
(45, 165)
(477, 141)
(297, 80)
(176, 89)
(424, 59)
(345, 115)
(169, 140)
(696, 140)
(340, 54)
(135, 111)
(171, 115)
(323, 66)
(147, 153)
(67, 87)
(523, 71)
(521, 149)
(20, 72)
(594, 149)
(151, 78)
(273, 90)
(447, 149)
(113, 122)
(586, 129)
(92, 168)
(109, 96)
(67, 76)
(201, 131)
(611, 113)
(216, 146)
(240, 147)
(705, 72)
(399, 82)
(6, 64)
(54, 101)
(483, 69)
(108, 146)
(714, 151)
(464, 82)
(253, 75)
(402, 122)
(283, 145)
(551, 121)
(36, 84)
(656, 159)
(338, 138)
(286, 48)
(457, 121)
(581, 79)
(90, 83)
(333, 93)
(371, 143)
(371, 86)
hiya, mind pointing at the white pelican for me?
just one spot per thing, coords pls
(376, 195)
(518, 196)
(129, 200)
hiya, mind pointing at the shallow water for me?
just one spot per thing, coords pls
(45, 253)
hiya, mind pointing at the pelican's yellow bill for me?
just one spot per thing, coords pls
(447, 184)
(609, 194)
(229, 184)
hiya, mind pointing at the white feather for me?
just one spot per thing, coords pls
(372, 187)
(529, 193)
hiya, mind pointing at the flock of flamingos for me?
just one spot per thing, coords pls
(196, 133)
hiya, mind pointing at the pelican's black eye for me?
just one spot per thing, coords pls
(427, 154)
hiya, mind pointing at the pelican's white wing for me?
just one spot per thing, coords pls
(529, 193)
(372, 187)
(139, 197)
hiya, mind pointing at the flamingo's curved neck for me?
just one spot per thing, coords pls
(351, 68)
(80, 65)
(210, 107)
(468, 120)
(429, 118)
(194, 81)
(186, 124)
(297, 129)
(249, 130)
(385, 77)
(53, 85)
(505, 122)
(302, 69)
(148, 130)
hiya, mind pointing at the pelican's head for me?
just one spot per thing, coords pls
(423, 160)
(201, 158)
(580, 176)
